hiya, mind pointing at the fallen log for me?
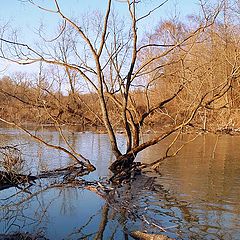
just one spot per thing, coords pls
(9, 179)
(146, 236)
(18, 236)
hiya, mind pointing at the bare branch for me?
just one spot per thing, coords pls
(153, 10)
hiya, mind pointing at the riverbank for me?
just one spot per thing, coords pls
(75, 128)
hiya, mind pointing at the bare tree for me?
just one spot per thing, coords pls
(108, 56)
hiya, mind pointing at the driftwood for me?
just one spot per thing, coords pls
(146, 236)
(74, 170)
(21, 236)
(9, 179)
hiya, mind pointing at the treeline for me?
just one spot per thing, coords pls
(204, 71)
(24, 101)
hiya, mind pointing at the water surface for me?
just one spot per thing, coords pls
(195, 195)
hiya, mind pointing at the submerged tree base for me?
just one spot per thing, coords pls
(122, 163)
(124, 170)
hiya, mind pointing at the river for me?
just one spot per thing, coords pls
(195, 195)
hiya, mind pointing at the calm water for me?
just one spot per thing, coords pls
(196, 195)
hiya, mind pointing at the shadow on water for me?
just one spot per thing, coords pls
(195, 195)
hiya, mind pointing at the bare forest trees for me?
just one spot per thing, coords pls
(180, 75)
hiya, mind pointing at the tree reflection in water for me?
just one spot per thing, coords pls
(60, 209)
(202, 201)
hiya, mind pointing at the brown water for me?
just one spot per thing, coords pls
(195, 195)
(206, 177)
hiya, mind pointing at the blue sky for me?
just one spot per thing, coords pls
(24, 13)
(26, 18)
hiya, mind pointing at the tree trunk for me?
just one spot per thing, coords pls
(122, 163)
